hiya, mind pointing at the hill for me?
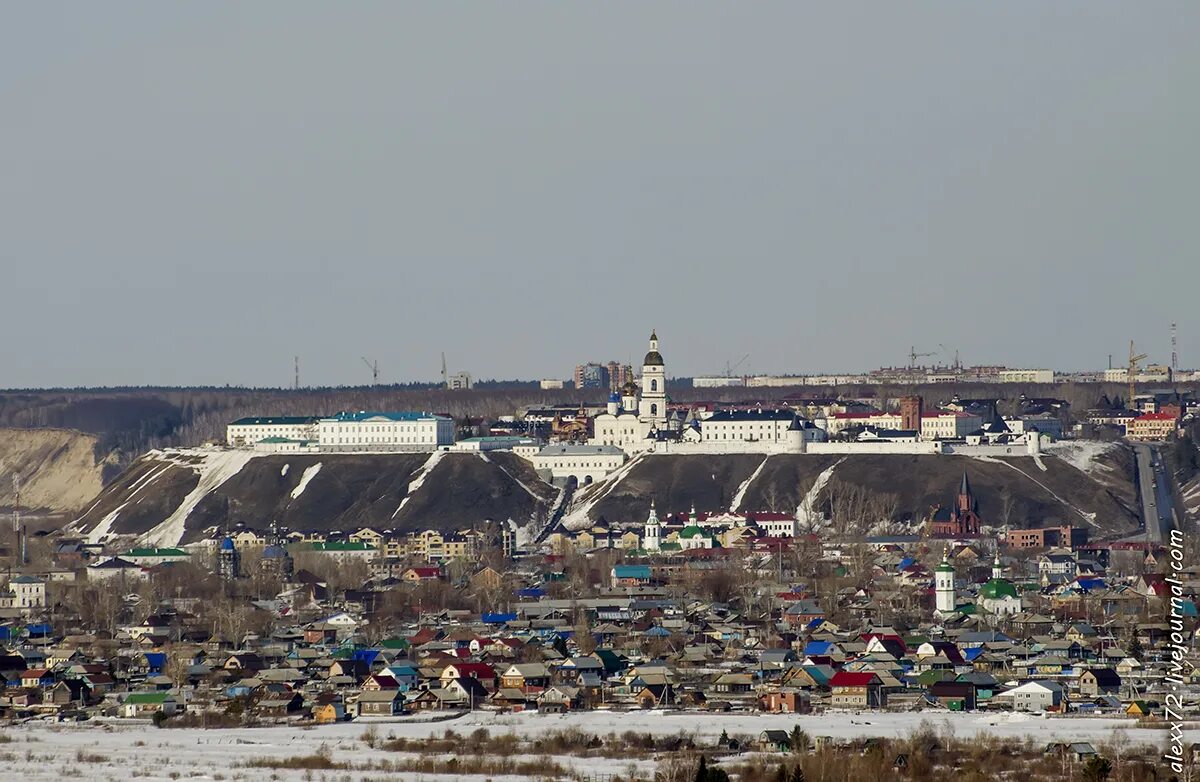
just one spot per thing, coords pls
(864, 491)
(178, 496)
(172, 496)
(61, 470)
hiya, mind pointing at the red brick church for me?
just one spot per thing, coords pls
(960, 521)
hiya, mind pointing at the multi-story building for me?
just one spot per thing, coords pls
(1026, 376)
(245, 432)
(1151, 427)
(1048, 537)
(584, 463)
(944, 424)
(591, 375)
(718, 382)
(366, 431)
(459, 381)
(758, 425)
(839, 422)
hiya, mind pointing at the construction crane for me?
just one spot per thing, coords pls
(957, 365)
(730, 367)
(374, 367)
(913, 355)
(1134, 358)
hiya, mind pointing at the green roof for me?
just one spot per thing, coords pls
(340, 546)
(155, 552)
(146, 697)
(945, 567)
(996, 589)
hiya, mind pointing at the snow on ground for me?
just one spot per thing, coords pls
(741, 490)
(214, 468)
(1091, 517)
(116, 750)
(416, 482)
(100, 531)
(577, 517)
(806, 513)
(308, 474)
(283, 471)
(1083, 455)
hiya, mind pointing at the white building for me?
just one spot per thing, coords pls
(25, 593)
(757, 425)
(944, 424)
(943, 586)
(584, 463)
(838, 422)
(366, 431)
(635, 413)
(1026, 376)
(549, 384)
(1044, 423)
(459, 381)
(497, 443)
(774, 381)
(245, 432)
(718, 382)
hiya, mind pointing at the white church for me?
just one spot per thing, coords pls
(636, 414)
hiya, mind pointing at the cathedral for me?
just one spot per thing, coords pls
(636, 415)
(960, 521)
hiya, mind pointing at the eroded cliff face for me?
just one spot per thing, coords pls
(60, 470)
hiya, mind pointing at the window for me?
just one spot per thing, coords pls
(653, 408)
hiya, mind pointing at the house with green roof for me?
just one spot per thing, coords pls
(150, 557)
(147, 704)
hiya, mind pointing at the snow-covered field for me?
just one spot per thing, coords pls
(119, 751)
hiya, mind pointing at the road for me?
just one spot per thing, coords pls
(1155, 492)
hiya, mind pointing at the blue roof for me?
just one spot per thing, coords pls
(156, 660)
(657, 632)
(226, 544)
(813, 624)
(274, 552)
(905, 563)
(275, 420)
(42, 629)
(531, 592)
(971, 653)
(5, 633)
(366, 655)
(631, 571)
(817, 647)
(498, 619)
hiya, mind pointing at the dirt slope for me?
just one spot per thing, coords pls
(58, 467)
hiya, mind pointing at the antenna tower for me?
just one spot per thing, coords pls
(296, 382)
(445, 376)
(16, 517)
(1174, 349)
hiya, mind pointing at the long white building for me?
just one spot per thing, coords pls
(371, 431)
(245, 432)
(758, 425)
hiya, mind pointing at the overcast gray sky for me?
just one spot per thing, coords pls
(195, 192)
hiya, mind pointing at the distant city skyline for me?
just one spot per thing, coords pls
(196, 193)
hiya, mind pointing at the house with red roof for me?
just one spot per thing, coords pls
(857, 690)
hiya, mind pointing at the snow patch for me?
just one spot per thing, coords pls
(1091, 517)
(419, 480)
(1083, 455)
(283, 471)
(100, 531)
(578, 516)
(740, 494)
(214, 468)
(807, 515)
(308, 475)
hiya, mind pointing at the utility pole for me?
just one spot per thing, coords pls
(296, 382)
(445, 376)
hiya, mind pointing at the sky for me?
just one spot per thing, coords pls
(196, 192)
